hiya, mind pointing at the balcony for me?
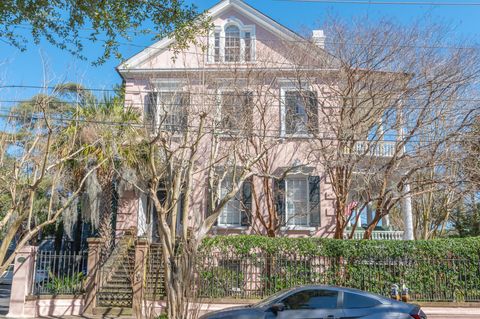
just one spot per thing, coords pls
(377, 234)
(375, 148)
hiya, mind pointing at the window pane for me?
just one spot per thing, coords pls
(297, 201)
(248, 47)
(351, 301)
(296, 112)
(173, 110)
(312, 299)
(232, 44)
(236, 110)
(216, 52)
(230, 214)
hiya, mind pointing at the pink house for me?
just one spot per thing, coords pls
(255, 75)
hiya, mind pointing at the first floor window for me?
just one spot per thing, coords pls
(237, 210)
(298, 200)
(231, 214)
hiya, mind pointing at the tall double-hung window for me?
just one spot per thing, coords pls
(297, 200)
(167, 111)
(300, 109)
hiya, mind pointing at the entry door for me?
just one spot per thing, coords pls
(311, 304)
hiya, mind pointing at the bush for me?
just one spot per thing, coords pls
(434, 270)
(439, 248)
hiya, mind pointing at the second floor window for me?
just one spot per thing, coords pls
(236, 110)
(167, 111)
(301, 112)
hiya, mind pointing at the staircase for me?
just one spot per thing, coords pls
(115, 294)
(155, 289)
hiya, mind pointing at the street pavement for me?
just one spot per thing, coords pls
(432, 313)
(450, 313)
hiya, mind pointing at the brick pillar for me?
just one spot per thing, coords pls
(93, 274)
(139, 275)
(24, 268)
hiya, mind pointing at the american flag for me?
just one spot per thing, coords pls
(350, 207)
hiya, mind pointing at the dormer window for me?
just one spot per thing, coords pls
(233, 42)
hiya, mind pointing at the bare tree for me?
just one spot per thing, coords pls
(392, 105)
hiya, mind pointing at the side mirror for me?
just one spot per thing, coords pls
(277, 307)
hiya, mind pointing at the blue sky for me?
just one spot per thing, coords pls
(27, 68)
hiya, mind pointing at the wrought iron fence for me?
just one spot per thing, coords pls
(59, 273)
(229, 275)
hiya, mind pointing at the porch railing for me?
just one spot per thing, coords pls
(59, 273)
(377, 234)
(374, 148)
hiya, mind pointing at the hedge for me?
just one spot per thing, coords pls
(433, 270)
(438, 248)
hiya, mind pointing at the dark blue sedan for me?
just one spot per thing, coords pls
(322, 302)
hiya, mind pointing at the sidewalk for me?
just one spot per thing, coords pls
(450, 313)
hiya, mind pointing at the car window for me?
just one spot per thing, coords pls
(351, 301)
(312, 299)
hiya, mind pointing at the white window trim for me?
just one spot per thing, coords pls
(283, 110)
(298, 227)
(221, 30)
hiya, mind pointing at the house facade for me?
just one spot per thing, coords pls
(256, 80)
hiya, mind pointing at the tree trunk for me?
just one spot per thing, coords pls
(340, 222)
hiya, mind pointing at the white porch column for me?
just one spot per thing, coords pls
(386, 222)
(407, 214)
(369, 213)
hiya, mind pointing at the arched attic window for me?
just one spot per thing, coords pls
(232, 44)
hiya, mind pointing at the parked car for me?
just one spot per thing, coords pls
(322, 302)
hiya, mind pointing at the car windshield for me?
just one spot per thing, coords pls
(268, 300)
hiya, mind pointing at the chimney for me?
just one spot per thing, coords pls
(318, 37)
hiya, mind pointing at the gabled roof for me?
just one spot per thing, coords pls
(247, 10)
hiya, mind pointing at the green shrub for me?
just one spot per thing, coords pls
(65, 285)
(434, 270)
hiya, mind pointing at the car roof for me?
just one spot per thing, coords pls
(344, 289)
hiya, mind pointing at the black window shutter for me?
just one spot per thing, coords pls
(290, 112)
(150, 110)
(312, 112)
(279, 193)
(246, 205)
(248, 112)
(314, 199)
(212, 199)
(185, 103)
